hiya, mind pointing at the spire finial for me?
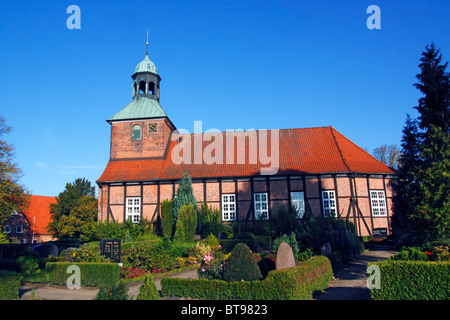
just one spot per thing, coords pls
(146, 43)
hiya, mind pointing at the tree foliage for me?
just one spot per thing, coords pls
(422, 212)
(184, 195)
(388, 154)
(13, 196)
(186, 224)
(75, 211)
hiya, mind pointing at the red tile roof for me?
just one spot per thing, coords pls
(38, 213)
(320, 150)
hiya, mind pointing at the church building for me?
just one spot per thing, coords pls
(246, 174)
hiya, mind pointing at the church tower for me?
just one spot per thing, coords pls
(141, 129)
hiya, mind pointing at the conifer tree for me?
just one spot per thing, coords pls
(422, 211)
(184, 195)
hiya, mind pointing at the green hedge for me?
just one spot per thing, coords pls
(413, 280)
(296, 283)
(9, 285)
(91, 274)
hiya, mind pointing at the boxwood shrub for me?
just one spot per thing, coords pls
(9, 285)
(297, 283)
(91, 274)
(413, 280)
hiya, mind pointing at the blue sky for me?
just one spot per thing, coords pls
(260, 64)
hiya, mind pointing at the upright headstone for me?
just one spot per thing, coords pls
(45, 250)
(110, 248)
(325, 249)
(285, 257)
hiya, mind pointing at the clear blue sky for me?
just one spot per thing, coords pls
(261, 64)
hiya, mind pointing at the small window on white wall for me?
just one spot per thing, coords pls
(329, 203)
(133, 209)
(298, 202)
(261, 206)
(228, 207)
(378, 201)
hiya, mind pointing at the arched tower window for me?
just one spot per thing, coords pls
(137, 132)
(142, 87)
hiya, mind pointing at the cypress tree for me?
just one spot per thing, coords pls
(184, 195)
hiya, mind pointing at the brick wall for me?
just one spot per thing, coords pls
(277, 190)
(151, 144)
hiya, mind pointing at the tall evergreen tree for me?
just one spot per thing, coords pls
(184, 196)
(423, 192)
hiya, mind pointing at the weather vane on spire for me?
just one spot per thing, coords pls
(146, 43)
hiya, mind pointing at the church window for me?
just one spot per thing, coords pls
(228, 207)
(133, 209)
(137, 132)
(261, 206)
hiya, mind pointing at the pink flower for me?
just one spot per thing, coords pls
(203, 270)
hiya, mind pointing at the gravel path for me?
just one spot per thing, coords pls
(350, 283)
(351, 280)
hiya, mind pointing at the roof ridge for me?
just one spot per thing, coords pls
(339, 148)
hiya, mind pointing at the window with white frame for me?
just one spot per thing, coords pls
(329, 203)
(298, 202)
(261, 206)
(378, 200)
(7, 228)
(19, 229)
(133, 209)
(228, 207)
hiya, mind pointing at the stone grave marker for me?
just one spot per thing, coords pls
(285, 257)
(110, 248)
(45, 250)
(325, 249)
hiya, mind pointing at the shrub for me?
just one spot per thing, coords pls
(291, 241)
(288, 284)
(410, 254)
(413, 280)
(88, 253)
(29, 262)
(148, 290)
(152, 256)
(92, 274)
(9, 285)
(186, 224)
(167, 220)
(112, 291)
(131, 273)
(242, 265)
(267, 264)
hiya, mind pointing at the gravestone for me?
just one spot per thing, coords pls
(325, 249)
(46, 250)
(285, 257)
(69, 252)
(110, 248)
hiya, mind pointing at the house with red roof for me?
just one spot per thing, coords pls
(30, 225)
(245, 174)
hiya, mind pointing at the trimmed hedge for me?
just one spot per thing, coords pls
(297, 283)
(91, 274)
(413, 280)
(9, 285)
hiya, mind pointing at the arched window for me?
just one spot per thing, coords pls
(137, 132)
(142, 87)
